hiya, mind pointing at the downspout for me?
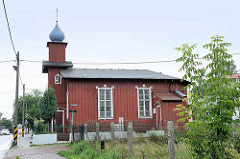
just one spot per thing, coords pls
(159, 105)
(170, 86)
(67, 102)
(161, 116)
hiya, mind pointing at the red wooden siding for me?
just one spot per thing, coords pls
(125, 103)
(169, 115)
(60, 89)
(56, 51)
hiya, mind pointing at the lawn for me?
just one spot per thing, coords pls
(153, 147)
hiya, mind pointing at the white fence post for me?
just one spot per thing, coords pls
(85, 132)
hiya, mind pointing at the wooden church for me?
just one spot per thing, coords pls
(109, 95)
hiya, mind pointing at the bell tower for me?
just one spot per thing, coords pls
(53, 66)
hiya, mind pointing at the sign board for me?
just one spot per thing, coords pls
(26, 122)
(74, 105)
(72, 111)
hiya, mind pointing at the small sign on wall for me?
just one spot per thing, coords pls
(74, 105)
(154, 110)
(73, 111)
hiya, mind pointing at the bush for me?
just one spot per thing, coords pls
(180, 135)
(236, 135)
(160, 140)
(84, 150)
(237, 144)
(123, 141)
(112, 154)
(65, 153)
(141, 139)
(79, 147)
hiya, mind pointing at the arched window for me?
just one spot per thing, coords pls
(58, 79)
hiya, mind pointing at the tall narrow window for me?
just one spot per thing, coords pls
(144, 103)
(58, 79)
(105, 103)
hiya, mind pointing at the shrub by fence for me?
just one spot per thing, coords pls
(143, 134)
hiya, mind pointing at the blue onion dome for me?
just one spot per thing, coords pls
(56, 35)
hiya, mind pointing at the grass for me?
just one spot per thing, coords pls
(151, 148)
(49, 144)
(154, 147)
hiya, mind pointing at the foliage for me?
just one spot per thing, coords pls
(237, 144)
(80, 147)
(83, 149)
(48, 105)
(41, 129)
(32, 111)
(212, 99)
(8, 124)
(160, 140)
(148, 149)
(232, 67)
(236, 135)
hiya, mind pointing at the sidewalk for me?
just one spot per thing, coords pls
(24, 151)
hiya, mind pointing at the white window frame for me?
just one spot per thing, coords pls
(105, 88)
(58, 75)
(150, 101)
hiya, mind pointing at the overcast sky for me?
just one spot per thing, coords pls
(99, 31)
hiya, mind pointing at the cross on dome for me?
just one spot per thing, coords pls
(57, 34)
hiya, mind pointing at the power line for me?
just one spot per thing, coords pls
(31, 61)
(7, 61)
(17, 77)
(112, 63)
(122, 63)
(9, 30)
(126, 63)
(20, 74)
(236, 53)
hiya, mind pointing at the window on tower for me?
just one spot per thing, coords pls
(58, 79)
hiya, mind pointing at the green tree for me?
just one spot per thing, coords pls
(212, 100)
(232, 67)
(33, 111)
(7, 124)
(48, 105)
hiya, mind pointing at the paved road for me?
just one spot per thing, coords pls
(5, 143)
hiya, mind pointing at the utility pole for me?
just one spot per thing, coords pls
(26, 114)
(23, 110)
(26, 107)
(16, 68)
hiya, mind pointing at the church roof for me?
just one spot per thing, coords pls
(113, 74)
(47, 64)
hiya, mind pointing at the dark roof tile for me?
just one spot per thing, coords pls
(114, 74)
